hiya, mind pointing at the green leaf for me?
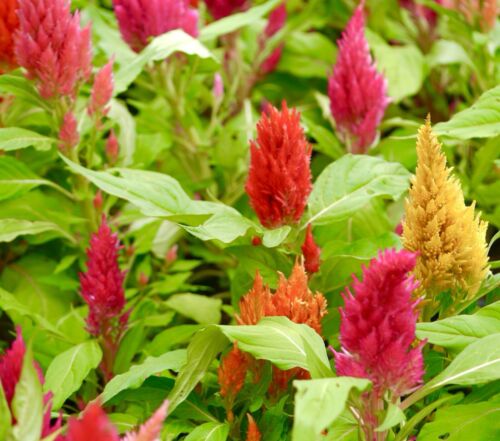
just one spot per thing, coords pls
(275, 237)
(67, 371)
(318, 403)
(15, 138)
(402, 66)
(202, 309)
(202, 350)
(236, 21)
(459, 331)
(160, 48)
(27, 404)
(17, 179)
(348, 184)
(137, 374)
(480, 422)
(21, 88)
(160, 195)
(393, 417)
(209, 432)
(284, 343)
(119, 113)
(5, 417)
(12, 228)
(481, 120)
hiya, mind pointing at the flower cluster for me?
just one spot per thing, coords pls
(377, 328)
(223, 8)
(8, 26)
(11, 364)
(292, 299)
(51, 45)
(102, 284)
(279, 179)
(358, 93)
(140, 20)
(448, 236)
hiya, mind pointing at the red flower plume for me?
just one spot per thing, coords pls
(8, 26)
(279, 180)
(223, 8)
(94, 425)
(311, 252)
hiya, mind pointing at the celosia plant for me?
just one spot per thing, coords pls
(279, 179)
(358, 93)
(448, 236)
(8, 26)
(141, 20)
(276, 21)
(223, 8)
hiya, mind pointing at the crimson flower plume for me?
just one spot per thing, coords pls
(311, 252)
(277, 20)
(223, 8)
(358, 93)
(8, 26)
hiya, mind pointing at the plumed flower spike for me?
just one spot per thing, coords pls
(102, 90)
(52, 47)
(150, 430)
(11, 364)
(311, 252)
(358, 93)
(279, 179)
(377, 330)
(94, 425)
(448, 236)
(277, 20)
(8, 26)
(222, 8)
(141, 20)
(231, 376)
(102, 284)
(253, 433)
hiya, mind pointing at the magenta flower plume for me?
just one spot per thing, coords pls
(358, 93)
(102, 284)
(11, 365)
(102, 90)
(140, 20)
(277, 20)
(68, 133)
(51, 45)
(222, 8)
(377, 329)
(279, 180)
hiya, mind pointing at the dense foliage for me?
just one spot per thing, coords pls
(249, 220)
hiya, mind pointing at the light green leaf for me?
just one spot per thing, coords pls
(467, 422)
(19, 86)
(67, 371)
(209, 432)
(402, 66)
(481, 120)
(5, 417)
(137, 374)
(273, 238)
(446, 52)
(202, 350)
(284, 343)
(318, 403)
(350, 183)
(393, 416)
(119, 113)
(12, 228)
(459, 331)
(202, 309)
(236, 21)
(15, 138)
(160, 48)
(27, 404)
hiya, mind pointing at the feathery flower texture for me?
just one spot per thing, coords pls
(358, 93)
(377, 327)
(223, 8)
(141, 20)
(102, 284)
(311, 252)
(449, 237)
(253, 433)
(52, 47)
(102, 90)
(8, 26)
(279, 179)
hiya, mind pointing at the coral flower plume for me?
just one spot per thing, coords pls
(279, 179)
(449, 236)
(377, 329)
(358, 93)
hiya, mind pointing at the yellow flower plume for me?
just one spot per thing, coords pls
(448, 236)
